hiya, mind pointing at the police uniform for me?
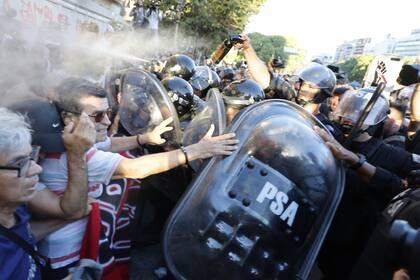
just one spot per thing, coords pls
(376, 261)
(362, 204)
(282, 89)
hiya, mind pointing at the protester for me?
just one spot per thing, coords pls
(20, 186)
(76, 96)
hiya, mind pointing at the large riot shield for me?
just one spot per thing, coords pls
(145, 104)
(263, 212)
(214, 113)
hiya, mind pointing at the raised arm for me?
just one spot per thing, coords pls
(78, 139)
(156, 163)
(256, 67)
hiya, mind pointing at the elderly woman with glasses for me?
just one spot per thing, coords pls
(20, 188)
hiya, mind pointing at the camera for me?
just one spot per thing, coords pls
(404, 247)
(233, 39)
(409, 74)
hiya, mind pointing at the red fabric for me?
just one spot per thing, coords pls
(90, 243)
(53, 155)
(116, 271)
(90, 154)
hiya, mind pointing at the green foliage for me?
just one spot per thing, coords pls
(212, 19)
(267, 46)
(356, 67)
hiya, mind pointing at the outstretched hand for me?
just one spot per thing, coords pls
(155, 136)
(210, 146)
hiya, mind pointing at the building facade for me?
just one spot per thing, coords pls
(348, 49)
(409, 46)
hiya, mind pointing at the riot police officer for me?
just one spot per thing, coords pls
(203, 79)
(239, 94)
(227, 75)
(185, 101)
(361, 204)
(315, 84)
(179, 65)
(381, 257)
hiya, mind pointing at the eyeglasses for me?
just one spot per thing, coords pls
(22, 166)
(99, 116)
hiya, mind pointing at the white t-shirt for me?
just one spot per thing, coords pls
(153, 19)
(63, 246)
(104, 145)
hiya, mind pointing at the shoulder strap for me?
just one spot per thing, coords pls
(28, 248)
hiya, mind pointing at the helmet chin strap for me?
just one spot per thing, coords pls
(364, 134)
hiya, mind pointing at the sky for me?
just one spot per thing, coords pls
(321, 25)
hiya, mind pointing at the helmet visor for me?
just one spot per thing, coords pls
(319, 75)
(354, 102)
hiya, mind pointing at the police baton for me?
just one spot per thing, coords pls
(378, 91)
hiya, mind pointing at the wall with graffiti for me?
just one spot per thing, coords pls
(64, 15)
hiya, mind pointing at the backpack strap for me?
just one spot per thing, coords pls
(28, 248)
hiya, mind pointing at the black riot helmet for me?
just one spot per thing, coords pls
(242, 93)
(215, 78)
(181, 94)
(227, 74)
(180, 66)
(202, 78)
(351, 107)
(316, 75)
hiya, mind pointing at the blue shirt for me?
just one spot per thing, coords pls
(15, 263)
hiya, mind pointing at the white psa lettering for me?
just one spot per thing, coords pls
(269, 191)
(277, 206)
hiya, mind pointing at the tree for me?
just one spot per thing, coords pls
(212, 19)
(356, 67)
(268, 46)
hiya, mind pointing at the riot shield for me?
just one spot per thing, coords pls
(263, 212)
(213, 113)
(145, 104)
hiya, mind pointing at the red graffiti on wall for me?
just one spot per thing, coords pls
(35, 13)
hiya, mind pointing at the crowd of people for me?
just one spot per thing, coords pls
(91, 170)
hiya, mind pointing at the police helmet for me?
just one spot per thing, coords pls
(179, 65)
(227, 74)
(181, 94)
(319, 76)
(215, 78)
(202, 78)
(352, 105)
(242, 93)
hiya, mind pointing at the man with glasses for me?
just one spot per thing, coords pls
(74, 96)
(19, 187)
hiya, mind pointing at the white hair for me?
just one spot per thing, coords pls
(15, 131)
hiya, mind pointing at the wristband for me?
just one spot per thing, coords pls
(359, 163)
(185, 154)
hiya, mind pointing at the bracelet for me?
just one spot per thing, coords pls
(359, 163)
(185, 154)
(137, 139)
